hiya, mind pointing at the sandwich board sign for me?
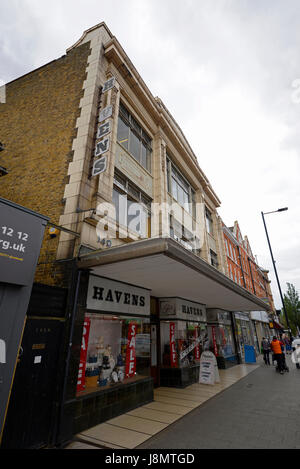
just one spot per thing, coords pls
(21, 236)
(209, 373)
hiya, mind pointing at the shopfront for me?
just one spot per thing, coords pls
(115, 358)
(183, 337)
(260, 321)
(221, 337)
(244, 334)
(139, 324)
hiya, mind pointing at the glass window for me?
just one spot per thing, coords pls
(180, 198)
(135, 146)
(109, 341)
(133, 209)
(209, 222)
(123, 133)
(144, 156)
(134, 139)
(190, 339)
(221, 341)
(120, 202)
(180, 189)
(214, 259)
(174, 189)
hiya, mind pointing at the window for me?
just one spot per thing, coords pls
(133, 138)
(214, 259)
(180, 189)
(107, 338)
(187, 353)
(209, 222)
(183, 236)
(133, 208)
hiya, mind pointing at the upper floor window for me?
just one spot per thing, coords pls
(132, 137)
(180, 189)
(209, 221)
(214, 259)
(133, 208)
(184, 236)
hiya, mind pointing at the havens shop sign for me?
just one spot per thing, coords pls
(115, 297)
(178, 308)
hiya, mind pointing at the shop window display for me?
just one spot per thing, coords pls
(221, 341)
(244, 335)
(182, 343)
(117, 350)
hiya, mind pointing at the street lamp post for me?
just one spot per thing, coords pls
(273, 261)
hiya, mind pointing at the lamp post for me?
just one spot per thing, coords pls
(273, 261)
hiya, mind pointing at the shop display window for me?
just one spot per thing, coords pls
(182, 343)
(115, 350)
(221, 341)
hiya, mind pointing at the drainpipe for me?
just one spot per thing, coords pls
(251, 275)
(241, 265)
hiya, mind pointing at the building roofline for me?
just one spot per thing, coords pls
(87, 31)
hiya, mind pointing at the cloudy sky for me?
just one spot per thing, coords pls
(228, 71)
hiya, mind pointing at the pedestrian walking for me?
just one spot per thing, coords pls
(287, 343)
(276, 347)
(266, 348)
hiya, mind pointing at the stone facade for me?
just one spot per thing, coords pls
(49, 125)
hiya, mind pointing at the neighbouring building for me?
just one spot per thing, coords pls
(133, 281)
(243, 268)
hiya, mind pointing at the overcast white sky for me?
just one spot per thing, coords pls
(226, 70)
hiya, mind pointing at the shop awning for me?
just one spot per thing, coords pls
(278, 326)
(168, 270)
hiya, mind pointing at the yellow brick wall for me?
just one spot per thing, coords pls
(37, 127)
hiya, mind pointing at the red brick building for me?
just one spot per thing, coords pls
(242, 266)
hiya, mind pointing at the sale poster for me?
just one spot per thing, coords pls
(83, 355)
(173, 354)
(213, 329)
(130, 351)
(197, 347)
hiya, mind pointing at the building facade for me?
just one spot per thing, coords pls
(133, 280)
(243, 268)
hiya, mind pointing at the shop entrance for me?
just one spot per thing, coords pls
(30, 413)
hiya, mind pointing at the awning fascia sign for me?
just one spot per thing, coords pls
(178, 308)
(117, 297)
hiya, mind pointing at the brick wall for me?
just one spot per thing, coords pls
(37, 126)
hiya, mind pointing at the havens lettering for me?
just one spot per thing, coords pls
(118, 297)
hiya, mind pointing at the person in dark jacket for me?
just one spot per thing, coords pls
(266, 348)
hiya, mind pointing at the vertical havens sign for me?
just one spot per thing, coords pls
(21, 236)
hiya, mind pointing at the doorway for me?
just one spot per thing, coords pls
(30, 415)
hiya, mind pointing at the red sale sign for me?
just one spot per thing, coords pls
(130, 351)
(197, 348)
(173, 354)
(83, 355)
(213, 329)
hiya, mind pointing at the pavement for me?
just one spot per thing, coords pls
(260, 411)
(252, 407)
(170, 405)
